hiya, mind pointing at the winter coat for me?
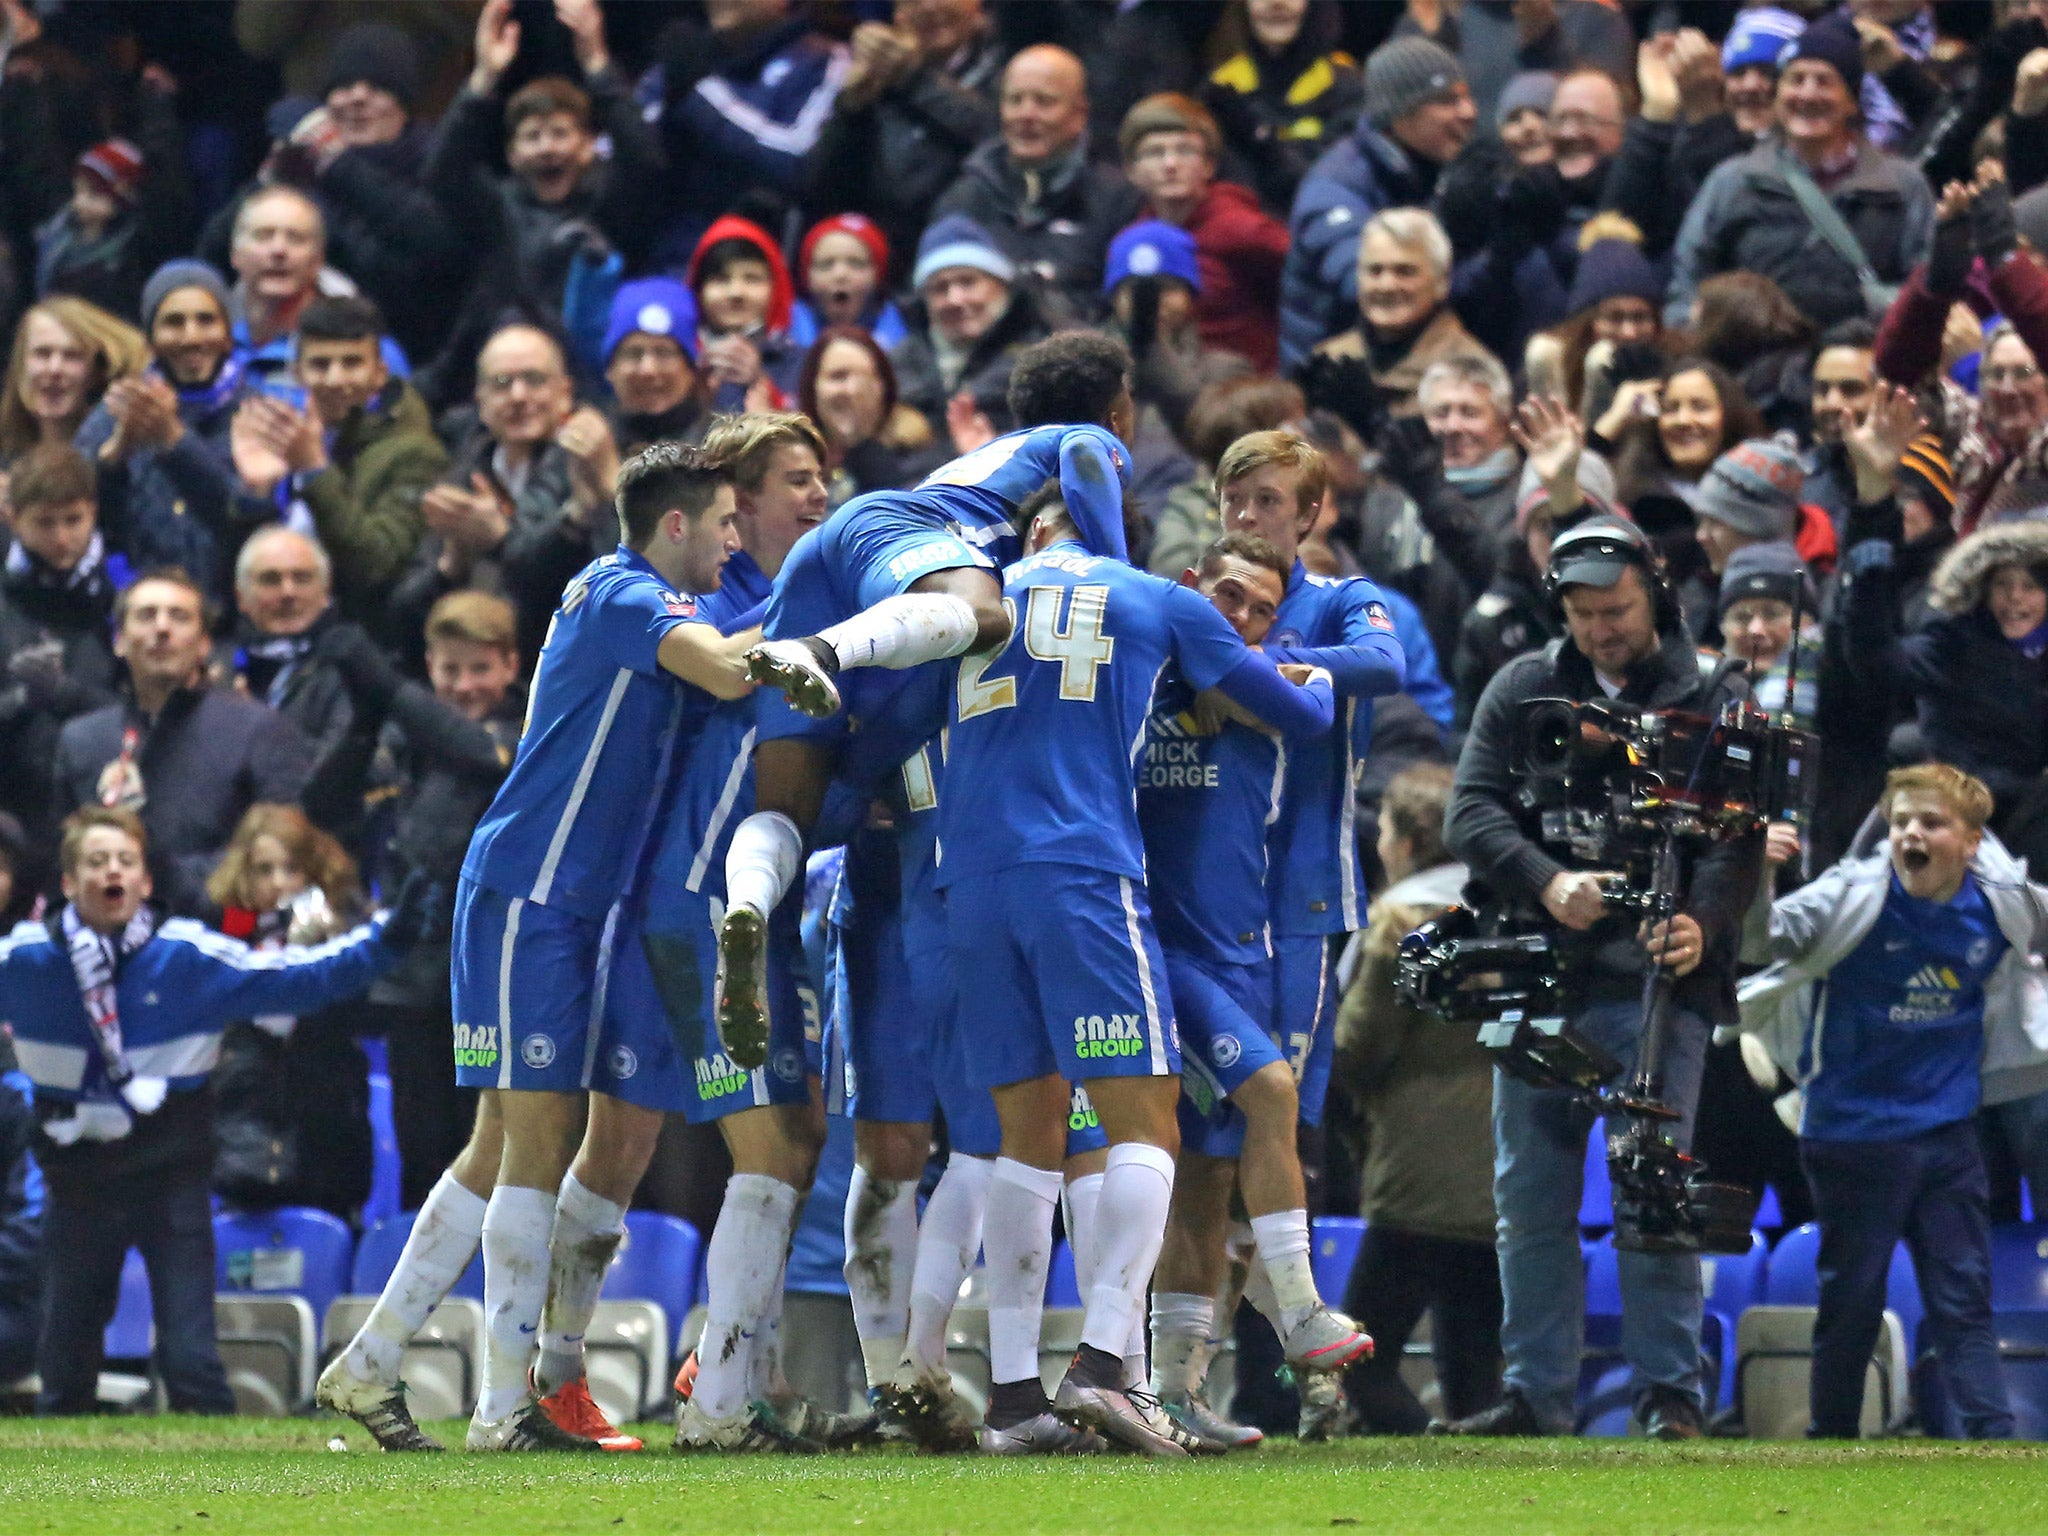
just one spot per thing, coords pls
(1488, 828)
(1745, 218)
(312, 695)
(919, 383)
(1982, 705)
(109, 268)
(1512, 618)
(1240, 250)
(366, 502)
(183, 505)
(1992, 483)
(1660, 168)
(1425, 1090)
(1354, 180)
(206, 758)
(36, 608)
(1815, 928)
(893, 157)
(736, 115)
(1443, 337)
(1279, 112)
(1189, 522)
(1488, 41)
(1055, 223)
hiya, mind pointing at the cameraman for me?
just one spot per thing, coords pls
(1623, 640)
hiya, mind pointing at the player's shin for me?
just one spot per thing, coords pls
(764, 860)
(443, 1240)
(947, 1240)
(904, 631)
(1137, 1188)
(1180, 1342)
(743, 1266)
(881, 1248)
(516, 1227)
(1017, 1239)
(588, 1230)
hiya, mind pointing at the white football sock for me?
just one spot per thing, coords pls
(1180, 1337)
(1136, 1369)
(1258, 1290)
(742, 1268)
(1083, 1197)
(766, 856)
(1282, 1237)
(947, 1240)
(765, 1381)
(881, 1248)
(1137, 1188)
(588, 1229)
(516, 1227)
(906, 630)
(1017, 1237)
(442, 1242)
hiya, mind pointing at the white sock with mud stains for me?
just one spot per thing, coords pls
(881, 1249)
(443, 1240)
(904, 631)
(516, 1226)
(765, 857)
(1017, 1239)
(588, 1230)
(947, 1240)
(743, 1269)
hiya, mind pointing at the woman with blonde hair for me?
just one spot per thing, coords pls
(66, 353)
(292, 1095)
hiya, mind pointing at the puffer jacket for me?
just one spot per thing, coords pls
(1812, 929)
(1746, 218)
(1354, 180)
(1982, 705)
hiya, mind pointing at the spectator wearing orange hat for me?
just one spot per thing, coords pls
(744, 304)
(842, 266)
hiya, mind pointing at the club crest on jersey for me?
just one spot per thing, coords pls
(1115, 1035)
(1377, 616)
(1287, 638)
(678, 605)
(537, 1051)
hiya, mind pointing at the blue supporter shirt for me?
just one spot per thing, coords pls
(1046, 733)
(1348, 627)
(1901, 1040)
(600, 722)
(1205, 802)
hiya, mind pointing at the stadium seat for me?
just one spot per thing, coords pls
(1062, 1288)
(1793, 1276)
(294, 1250)
(1767, 1212)
(384, 1165)
(626, 1358)
(270, 1347)
(657, 1262)
(441, 1363)
(1731, 1283)
(1596, 1202)
(1604, 1379)
(1773, 1367)
(2019, 1267)
(132, 1333)
(1333, 1248)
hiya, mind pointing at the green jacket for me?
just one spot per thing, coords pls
(366, 503)
(1188, 524)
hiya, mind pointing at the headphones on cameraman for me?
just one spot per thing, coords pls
(1609, 537)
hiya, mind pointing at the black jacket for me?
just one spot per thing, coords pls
(36, 610)
(919, 383)
(1511, 619)
(893, 157)
(206, 758)
(310, 694)
(1489, 831)
(1659, 170)
(1055, 224)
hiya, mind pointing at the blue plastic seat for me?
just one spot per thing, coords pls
(1333, 1249)
(1730, 1284)
(1596, 1202)
(296, 1250)
(1061, 1288)
(384, 1165)
(131, 1333)
(2023, 1347)
(2019, 1267)
(1767, 1212)
(657, 1262)
(1793, 1278)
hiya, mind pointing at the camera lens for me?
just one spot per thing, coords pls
(1550, 736)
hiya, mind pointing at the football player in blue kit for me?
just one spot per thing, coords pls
(892, 580)
(1208, 791)
(658, 1046)
(1046, 908)
(544, 868)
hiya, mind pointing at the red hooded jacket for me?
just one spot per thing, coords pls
(1239, 248)
(782, 297)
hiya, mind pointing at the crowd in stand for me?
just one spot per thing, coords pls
(311, 409)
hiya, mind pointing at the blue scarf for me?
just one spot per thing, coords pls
(206, 399)
(2034, 643)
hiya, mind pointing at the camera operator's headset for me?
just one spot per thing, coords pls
(1611, 539)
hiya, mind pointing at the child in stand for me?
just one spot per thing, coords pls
(744, 303)
(841, 263)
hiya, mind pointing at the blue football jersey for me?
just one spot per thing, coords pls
(1042, 759)
(1315, 884)
(1206, 800)
(600, 723)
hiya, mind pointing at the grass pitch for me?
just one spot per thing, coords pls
(194, 1476)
